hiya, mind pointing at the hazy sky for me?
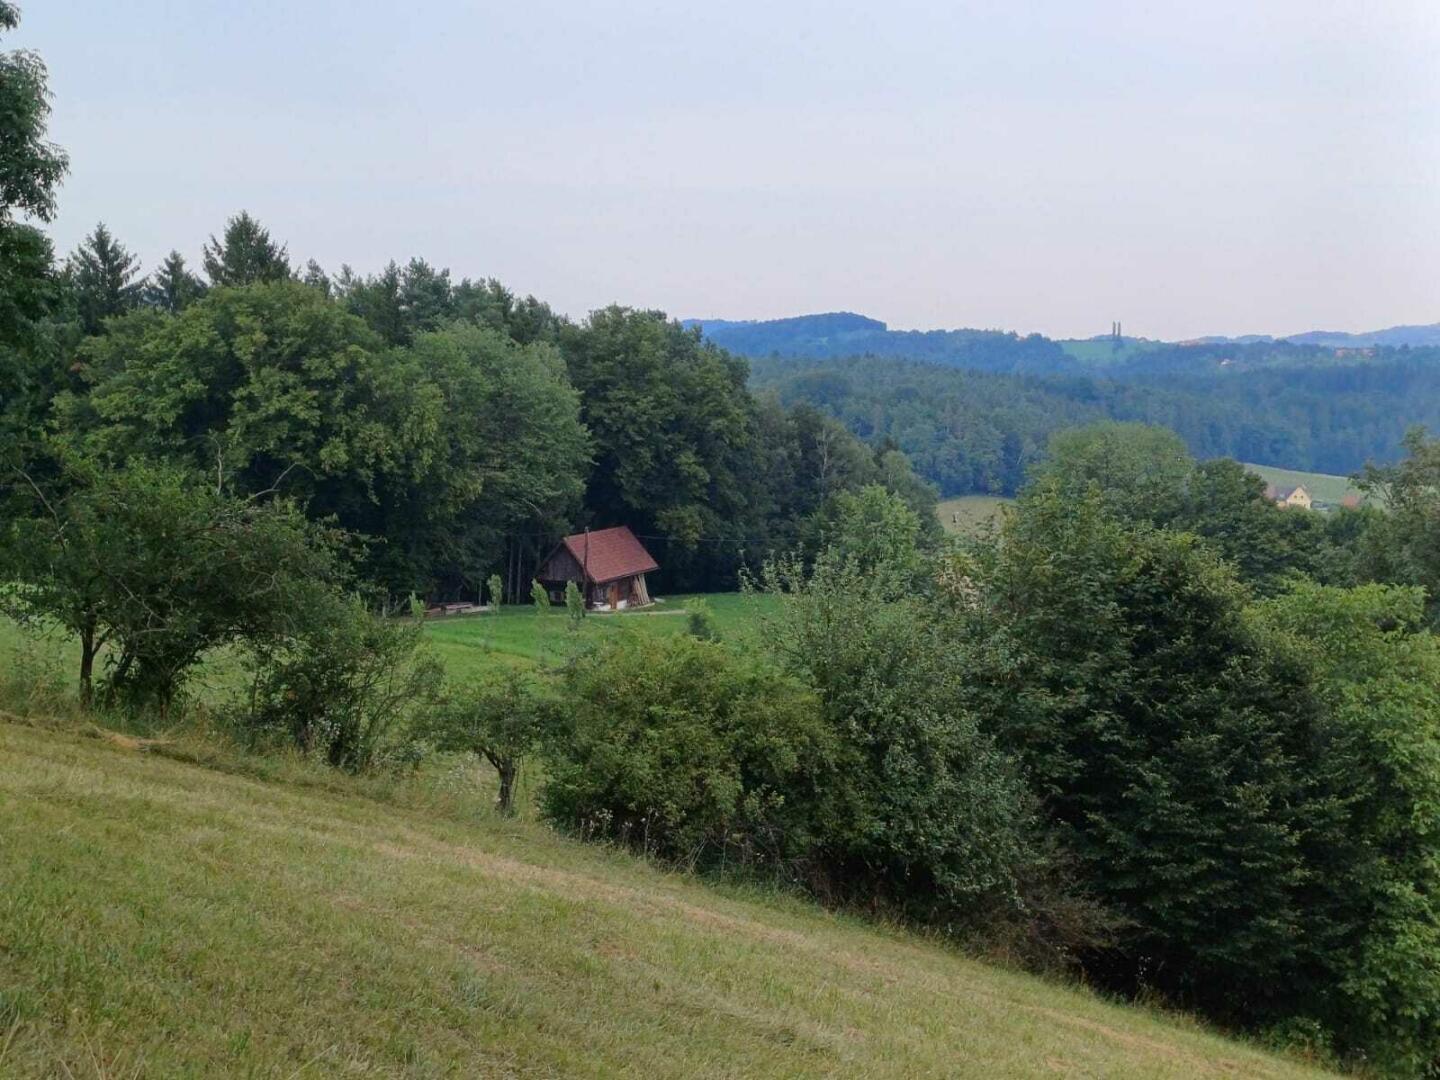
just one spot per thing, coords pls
(1186, 166)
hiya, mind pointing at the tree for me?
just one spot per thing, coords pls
(503, 719)
(245, 255)
(540, 597)
(31, 168)
(172, 288)
(155, 564)
(439, 451)
(574, 605)
(496, 588)
(1172, 742)
(878, 536)
(1375, 918)
(1140, 470)
(1401, 547)
(103, 275)
(673, 431)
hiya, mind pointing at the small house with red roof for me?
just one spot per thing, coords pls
(609, 566)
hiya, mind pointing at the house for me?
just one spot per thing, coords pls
(1295, 496)
(609, 565)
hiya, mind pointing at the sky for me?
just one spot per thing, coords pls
(1209, 166)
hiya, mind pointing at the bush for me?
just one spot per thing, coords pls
(688, 751)
(923, 812)
(345, 687)
(700, 620)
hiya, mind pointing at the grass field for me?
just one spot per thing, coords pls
(160, 918)
(465, 643)
(518, 635)
(1323, 487)
(969, 514)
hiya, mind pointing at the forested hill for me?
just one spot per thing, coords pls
(842, 334)
(973, 431)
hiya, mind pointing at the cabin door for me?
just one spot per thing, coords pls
(615, 596)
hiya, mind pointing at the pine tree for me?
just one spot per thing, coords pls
(315, 277)
(103, 274)
(173, 287)
(245, 255)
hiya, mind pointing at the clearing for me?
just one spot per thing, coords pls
(968, 515)
(161, 918)
(1323, 487)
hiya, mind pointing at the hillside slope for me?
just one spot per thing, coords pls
(160, 918)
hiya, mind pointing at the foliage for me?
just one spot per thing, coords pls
(1172, 743)
(245, 255)
(172, 287)
(503, 717)
(1377, 890)
(439, 450)
(160, 567)
(700, 620)
(921, 810)
(540, 597)
(103, 276)
(31, 166)
(689, 751)
(1139, 470)
(972, 431)
(877, 536)
(1401, 547)
(574, 604)
(495, 586)
(673, 430)
(344, 686)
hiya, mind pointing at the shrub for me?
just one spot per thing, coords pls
(574, 604)
(540, 598)
(923, 811)
(700, 621)
(688, 751)
(497, 590)
(345, 687)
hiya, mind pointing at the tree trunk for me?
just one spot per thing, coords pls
(87, 664)
(505, 803)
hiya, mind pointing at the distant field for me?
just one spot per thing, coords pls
(160, 918)
(1323, 487)
(969, 514)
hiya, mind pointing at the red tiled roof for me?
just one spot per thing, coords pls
(607, 554)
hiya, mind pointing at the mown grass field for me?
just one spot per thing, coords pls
(162, 918)
(1323, 487)
(520, 635)
(970, 514)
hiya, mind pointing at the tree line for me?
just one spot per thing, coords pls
(452, 426)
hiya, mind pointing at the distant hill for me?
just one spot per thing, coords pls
(1392, 337)
(843, 333)
(838, 334)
